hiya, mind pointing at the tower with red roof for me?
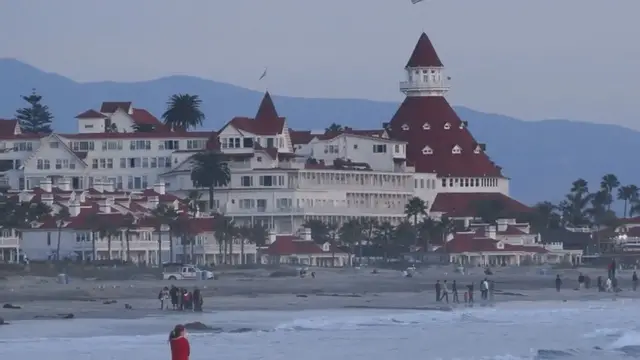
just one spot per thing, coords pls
(452, 169)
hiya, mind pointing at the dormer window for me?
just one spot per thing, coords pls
(427, 151)
(463, 124)
(500, 245)
(426, 126)
(405, 127)
(447, 126)
(477, 150)
(456, 150)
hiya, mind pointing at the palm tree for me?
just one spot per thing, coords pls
(333, 231)
(489, 210)
(128, 224)
(351, 234)
(225, 232)
(61, 217)
(608, 184)
(426, 229)
(368, 226)
(545, 216)
(183, 112)
(574, 206)
(446, 226)
(319, 230)
(334, 128)
(258, 235)
(209, 171)
(599, 214)
(160, 221)
(172, 217)
(404, 235)
(107, 229)
(384, 235)
(628, 194)
(244, 232)
(414, 208)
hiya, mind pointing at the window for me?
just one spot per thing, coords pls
(355, 146)
(103, 163)
(246, 181)
(109, 163)
(380, 148)
(53, 144)
(477, 150)
(82, 145)
(284, 203)
(247, 142)
(259, 159)
(247, 203)
(270, 142)
(396, 148)
(94, 163)
(232, 143)
(154, 163)
(196, 144)
(88, 126)
(169, 145)
(427, 151)
(280, 180)
(58, 164)
(23, 146)
(112, 145)
(266, 181)
(134, 162)
(145, 162)
(140, 145)
(405, 127)
(456, 150)
(447, 126)
(262, 204)
(123, 163)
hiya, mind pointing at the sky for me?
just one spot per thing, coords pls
(575, 59)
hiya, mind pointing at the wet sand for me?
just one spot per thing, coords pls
(255, 290)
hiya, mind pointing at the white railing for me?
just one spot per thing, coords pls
(368, 188)
(420, 85)
(321, 210)
(9, 242)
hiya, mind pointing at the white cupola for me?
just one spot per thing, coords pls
(424, 71)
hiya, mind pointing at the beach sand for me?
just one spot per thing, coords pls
(255, 290)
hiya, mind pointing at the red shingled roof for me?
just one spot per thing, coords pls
(8, 126)
(424, 54)
(445, 130)
(462, 204)
(143, 117)
(292, 245)
(266, 122)
(91, 114)
(110, 107)
(140, 135)
(301, 137)
(469, 242)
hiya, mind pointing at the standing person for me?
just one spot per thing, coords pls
(470, 293)
(484, 289)
(581, 281)
(180, 348)
(634, 280)
(173, 293)
(454, 292)
(164, 298)
(445, 291)
(197, 300)
(558, 283)
(438, 290)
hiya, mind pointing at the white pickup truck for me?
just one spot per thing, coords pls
(185, 272)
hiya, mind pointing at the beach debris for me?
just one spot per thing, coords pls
(340, 295)
(2, 321)
(11, 306)
(301, 296)
(56, 316)
(108, 302)
(197, 326)
(128, 307)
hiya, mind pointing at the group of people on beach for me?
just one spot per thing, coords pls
(180, 299)
(442, 291)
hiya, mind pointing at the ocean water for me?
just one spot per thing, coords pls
(517, 330)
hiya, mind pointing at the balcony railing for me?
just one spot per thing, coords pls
(9, 242)
(320, 210)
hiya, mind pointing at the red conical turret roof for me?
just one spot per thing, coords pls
(266, 111)
(424, 54)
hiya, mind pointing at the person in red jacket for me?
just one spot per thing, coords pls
(180, 349)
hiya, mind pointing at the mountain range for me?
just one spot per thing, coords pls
(541, 157)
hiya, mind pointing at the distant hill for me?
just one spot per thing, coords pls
(541, 157)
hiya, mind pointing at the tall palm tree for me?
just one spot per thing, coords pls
(160, 221)
(108, 230)
(319, 230)
(446, 227)
(61, 217)
(183, 112)
(209, 171)
(351, 234)
(171, 217)
(608, 184)
(368, 226)
(414, 208)
(244, 233)
(545, 216)
(333, 231)
(574, 206)
(384, 235)
(628, 194)
(128, 225)
(226, 231)
(426, 229)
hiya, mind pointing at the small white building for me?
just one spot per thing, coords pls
(302, 250)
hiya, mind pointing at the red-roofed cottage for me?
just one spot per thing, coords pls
(302, 250)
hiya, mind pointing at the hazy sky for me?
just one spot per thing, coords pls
(537, 59)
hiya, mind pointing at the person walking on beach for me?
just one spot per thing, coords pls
(438, 290)
(454, 292)
(180, 348)
(163, 296)
(484, 289)
(558, 283)
(173, 293)
(581, 281)
(445, 291)
(470, 293)
(608, 285)
(634, 281)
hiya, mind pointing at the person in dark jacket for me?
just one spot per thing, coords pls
(454, 292)
(197, 300)
(438, 290)
(470, 293)
(634, 281)
(173, 293)
(558, 282)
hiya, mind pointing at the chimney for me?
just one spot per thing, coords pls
(491, 231)
(502, 224)
(47, 199)
(272, 237)
(306, 234)
(104, 206)
(97, 185)
(74, 208)
(153, 201)
(108, 186)
(45, 185)
(83, 197)
(64, 184)
(159, 188)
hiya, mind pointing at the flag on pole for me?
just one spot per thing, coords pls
(263, 74)
(415, 1)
